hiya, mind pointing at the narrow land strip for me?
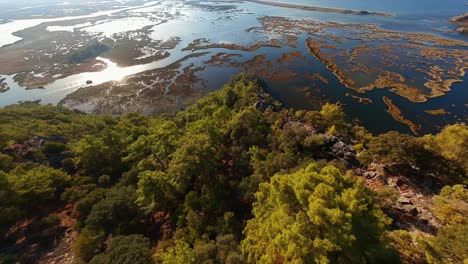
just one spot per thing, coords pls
(319, 9)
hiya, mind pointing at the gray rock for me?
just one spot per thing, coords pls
(425, 214)
(370, 174)
(407, 195)
(339, 145)
(334, 147)
(381, 179)
(408, 208)
(261, 105)
(403, 200)
(394, 182)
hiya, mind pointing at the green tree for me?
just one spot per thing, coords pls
(228, 249)
(314, 216)
(117, 213)
(156, 190)
(450, 245)
(6, 162)
(451, 143)
(194, 162)
(98, 155)
(179, 252)
(88, 244)
(333, 116)
(451, 205)
(131, 249)
(38, 185)
(10, 211)
(153, 151)
(389, 148)
(83, 207)
(248, 128)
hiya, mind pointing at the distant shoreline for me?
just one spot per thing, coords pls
(319, 9)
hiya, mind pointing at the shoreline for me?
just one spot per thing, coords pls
(319, 9)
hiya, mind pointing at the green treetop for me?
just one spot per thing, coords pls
(314, 216)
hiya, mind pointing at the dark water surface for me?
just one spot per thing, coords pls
(227, 23)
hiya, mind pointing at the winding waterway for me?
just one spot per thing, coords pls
(238, 23)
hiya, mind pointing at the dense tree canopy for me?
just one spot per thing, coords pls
(451, 242)
(452, 144)
(132, 249)
(234, 178)
(314, 216)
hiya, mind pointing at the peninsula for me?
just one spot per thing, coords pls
(318, 9)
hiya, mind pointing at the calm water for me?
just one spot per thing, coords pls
(227, 23)
(398, 7)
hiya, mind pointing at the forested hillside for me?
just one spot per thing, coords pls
(235, 178)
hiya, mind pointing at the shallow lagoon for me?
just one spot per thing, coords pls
(228, 23)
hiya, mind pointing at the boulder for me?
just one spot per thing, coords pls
(408, 208)
(262, 105)
(407, 195)
(395, 182)
(340, 149)
(381, 179)
(403, 200)
(370, 174)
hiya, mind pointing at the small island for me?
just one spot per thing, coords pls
(3, 85)
(437, 112)
(462, 22)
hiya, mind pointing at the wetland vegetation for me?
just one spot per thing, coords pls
(210, 131)
(89, 52)
(419, 66)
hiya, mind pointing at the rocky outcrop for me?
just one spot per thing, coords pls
(331, 148)
(335, 148)
(262, 105)
(412, 207)
(3, 85)
(344, 151)
(62, 253)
